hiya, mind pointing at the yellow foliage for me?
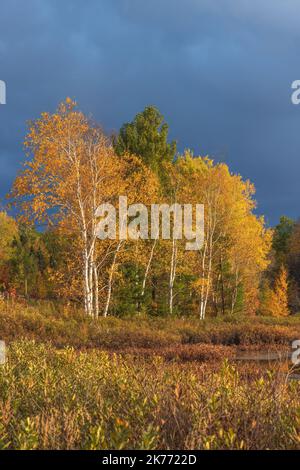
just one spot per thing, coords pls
(277, 301)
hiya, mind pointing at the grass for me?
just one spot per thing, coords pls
(143, 383)
(68, 399)
(69, 328)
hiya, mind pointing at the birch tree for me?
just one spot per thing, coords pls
(71, 170)
(233, 235)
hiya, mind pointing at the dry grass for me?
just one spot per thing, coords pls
(168, 387)
(63, 399)
(64, 327)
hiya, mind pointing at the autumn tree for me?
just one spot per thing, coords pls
(292, 259)
(277, 300)
(72, 169)
(147, 137)
(235, 247)
(285, 253)
(8, 233)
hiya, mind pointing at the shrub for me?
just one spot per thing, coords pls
(65, 399)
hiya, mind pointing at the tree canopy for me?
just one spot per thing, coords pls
(147, 137)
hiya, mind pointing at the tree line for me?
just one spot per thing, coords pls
(72, 167)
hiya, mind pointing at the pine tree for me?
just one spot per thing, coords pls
(147, 137)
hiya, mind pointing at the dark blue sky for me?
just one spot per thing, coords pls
(219, 70)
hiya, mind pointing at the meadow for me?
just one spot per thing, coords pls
(68, 326)
(65, 399)
(148, 383)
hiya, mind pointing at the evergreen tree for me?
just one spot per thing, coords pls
(281, 238)
(147, 137)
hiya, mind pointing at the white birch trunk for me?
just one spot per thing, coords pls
(110, 279)
(172, 275)
(148, 268)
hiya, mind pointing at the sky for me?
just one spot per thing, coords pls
(220, 71)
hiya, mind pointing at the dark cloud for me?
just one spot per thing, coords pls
(220, 72)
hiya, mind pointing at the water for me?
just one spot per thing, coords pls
(270, 357)
(263, 356)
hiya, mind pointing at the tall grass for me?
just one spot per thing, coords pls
(65, 327)
(65, 399)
